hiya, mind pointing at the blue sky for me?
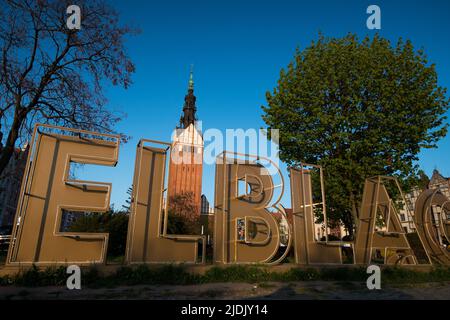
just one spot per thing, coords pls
(238, 49)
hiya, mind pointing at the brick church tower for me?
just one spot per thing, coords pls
(185, 169)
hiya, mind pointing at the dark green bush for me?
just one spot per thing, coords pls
(33, 277)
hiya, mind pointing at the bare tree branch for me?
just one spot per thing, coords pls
(51, 74)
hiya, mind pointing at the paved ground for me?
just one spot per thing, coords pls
(271, 290)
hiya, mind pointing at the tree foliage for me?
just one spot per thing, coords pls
(178, 224)
(183, 215)
(359, 108)
(127, 206)
(51, 74)
(114, 223)
(183, 204)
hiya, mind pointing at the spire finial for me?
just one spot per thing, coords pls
(189, 108)
(191, 78)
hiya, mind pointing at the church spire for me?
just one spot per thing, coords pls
(191, 78)
(189, 107)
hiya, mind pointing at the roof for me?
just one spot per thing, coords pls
(438, 178)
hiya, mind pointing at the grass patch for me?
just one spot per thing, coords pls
(178, 275)
(400, 275)
(34, 277)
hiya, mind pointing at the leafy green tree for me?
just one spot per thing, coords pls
(359, 108)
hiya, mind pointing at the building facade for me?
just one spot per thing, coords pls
(437, 181)
(406, 213)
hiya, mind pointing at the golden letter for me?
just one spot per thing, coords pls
(389, 244)
(148, 241)
(307, 249)
(431, 217)
(245, 231)
(47, 190)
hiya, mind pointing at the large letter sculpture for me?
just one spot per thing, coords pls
(245, 231)
(433, 226)
(390, 243)
(148, 241)
(307, 249)
(47, 190)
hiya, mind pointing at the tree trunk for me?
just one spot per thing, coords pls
(348, 223)
(355, 213)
